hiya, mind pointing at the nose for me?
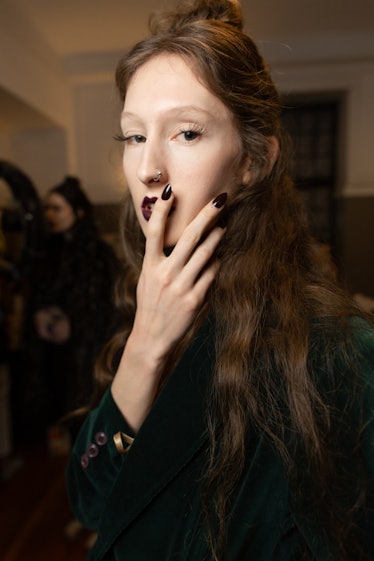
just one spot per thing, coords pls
(153, 176)
(152, 170)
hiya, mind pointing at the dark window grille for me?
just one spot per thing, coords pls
(313, 127)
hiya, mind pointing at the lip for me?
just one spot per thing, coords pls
(147, 207)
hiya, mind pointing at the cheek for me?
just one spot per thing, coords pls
(218, 179)
(130, 163)
(219, 171)
(136, 198)
(68, 220)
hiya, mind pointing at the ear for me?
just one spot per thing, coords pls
(273, 152)
(246, 171)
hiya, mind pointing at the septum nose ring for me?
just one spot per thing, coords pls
(158, 175)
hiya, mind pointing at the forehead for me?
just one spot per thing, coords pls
(168, 77)
(165, 64)
(55, 199)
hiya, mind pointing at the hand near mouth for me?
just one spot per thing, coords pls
(147, 207)
(170, 292)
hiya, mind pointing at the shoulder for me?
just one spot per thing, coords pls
(341, 357)
(357, 346)
(363, 335)
(337, 335)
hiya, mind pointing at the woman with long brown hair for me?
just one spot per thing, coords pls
(232, 414)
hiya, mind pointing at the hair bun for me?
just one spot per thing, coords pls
(188, 11)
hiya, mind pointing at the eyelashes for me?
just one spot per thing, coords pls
(189, 133)
(119, 138)
(133, 138)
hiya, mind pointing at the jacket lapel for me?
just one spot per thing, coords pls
(172, 434)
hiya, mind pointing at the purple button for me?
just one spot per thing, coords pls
(101, 438)
(92, 450)
(84, 461)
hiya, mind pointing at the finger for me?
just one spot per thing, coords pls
(194, 232)
(157, 223)
(205, 280)
(201, 256)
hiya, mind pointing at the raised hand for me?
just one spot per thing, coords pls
(170, 292)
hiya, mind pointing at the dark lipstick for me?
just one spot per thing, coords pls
(147, 207)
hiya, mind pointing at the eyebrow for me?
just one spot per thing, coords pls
(178, 111)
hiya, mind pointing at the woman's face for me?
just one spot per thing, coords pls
(172, 123)
(59, 215)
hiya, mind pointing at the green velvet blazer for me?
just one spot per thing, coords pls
(146, 505)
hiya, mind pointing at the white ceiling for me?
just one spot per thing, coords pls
(87, 26)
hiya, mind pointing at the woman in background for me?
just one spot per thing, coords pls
(236, 412)
(71, 310)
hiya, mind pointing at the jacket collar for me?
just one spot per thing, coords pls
(172, 434)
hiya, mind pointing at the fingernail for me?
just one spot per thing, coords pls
(220, 200)
(166, 193)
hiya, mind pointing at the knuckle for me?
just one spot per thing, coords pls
(192, 301)
(191, 236)
(205, 251)
(206, 211)
(152, 228)
(165, 278)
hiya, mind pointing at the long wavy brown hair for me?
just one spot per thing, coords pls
(270, 294)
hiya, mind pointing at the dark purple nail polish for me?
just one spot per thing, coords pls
(166, 193)
(220, 200)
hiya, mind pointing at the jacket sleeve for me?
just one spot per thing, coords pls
(95, 462)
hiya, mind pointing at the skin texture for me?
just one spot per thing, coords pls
(173, 123)
(59, 215)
